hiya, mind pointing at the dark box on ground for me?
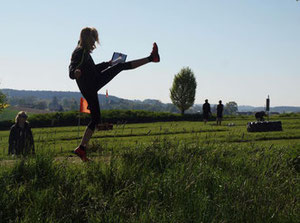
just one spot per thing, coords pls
(264, 126)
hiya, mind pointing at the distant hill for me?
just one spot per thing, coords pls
(67, 100)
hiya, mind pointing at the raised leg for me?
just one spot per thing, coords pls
(86, 137)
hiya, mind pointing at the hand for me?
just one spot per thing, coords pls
(77, 73)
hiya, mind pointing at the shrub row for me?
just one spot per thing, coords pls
(112, 116)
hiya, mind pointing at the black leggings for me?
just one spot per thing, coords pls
(91, 95)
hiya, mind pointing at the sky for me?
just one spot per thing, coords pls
(239, 50)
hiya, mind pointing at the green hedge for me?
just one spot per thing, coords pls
(111, 116)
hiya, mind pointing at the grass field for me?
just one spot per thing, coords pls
(61, 140)
(156, 172)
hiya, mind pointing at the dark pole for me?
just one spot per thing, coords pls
(268, 106)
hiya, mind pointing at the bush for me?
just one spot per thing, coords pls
(289, 115)
(112, 116)
(4, 125)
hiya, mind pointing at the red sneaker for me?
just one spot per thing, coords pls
(154, 53)
(81, 153)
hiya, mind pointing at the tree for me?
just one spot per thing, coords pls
(231, 108)
(42, 104)
(27, 101)
(183, 89)
(74, 105)
(66, 103)
(3, 103)
(54, 105)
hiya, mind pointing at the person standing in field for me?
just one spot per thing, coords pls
(20, 136)
(91, 77)
(206, 111)
(220, 108)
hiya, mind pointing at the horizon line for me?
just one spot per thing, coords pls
(147, 98)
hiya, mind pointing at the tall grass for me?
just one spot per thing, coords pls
(161, 181)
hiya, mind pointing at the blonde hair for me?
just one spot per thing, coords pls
(20, 114)
(86, 35)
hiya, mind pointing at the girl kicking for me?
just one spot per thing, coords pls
(91, 77)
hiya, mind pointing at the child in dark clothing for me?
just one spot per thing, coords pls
(91, 77)
(20, 136)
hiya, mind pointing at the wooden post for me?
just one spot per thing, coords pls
(268, 106)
